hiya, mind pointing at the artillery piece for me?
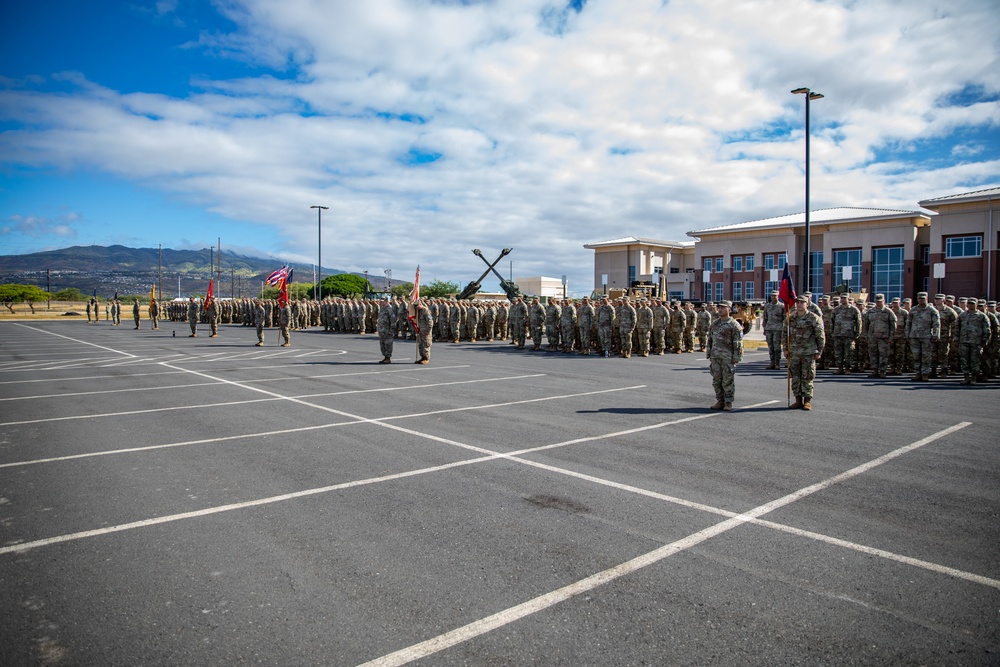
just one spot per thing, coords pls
(509, 288)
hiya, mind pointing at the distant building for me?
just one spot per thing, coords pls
(964, 238)
(877, 250)
(620, 263)
(540, 286)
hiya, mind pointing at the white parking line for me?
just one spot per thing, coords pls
(542, 602)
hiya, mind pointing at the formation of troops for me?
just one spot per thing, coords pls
(931, 340)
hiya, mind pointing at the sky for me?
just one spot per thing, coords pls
(432, 127)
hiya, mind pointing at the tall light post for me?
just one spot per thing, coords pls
(318, 290)
(388, 280)
(807, 269)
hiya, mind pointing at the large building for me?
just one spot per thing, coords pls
(620, 263)
(963, 244)
(876, 250)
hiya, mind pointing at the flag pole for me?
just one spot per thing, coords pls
(788, 363)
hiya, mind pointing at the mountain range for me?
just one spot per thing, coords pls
(106, 270)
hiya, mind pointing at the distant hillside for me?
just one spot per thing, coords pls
(111, 269)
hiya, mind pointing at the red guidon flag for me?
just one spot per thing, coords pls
(208, 296)
(411, 310)
(786, 291)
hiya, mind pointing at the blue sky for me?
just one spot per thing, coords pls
(431, 127)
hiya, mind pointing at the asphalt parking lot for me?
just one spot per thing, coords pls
(167, 500)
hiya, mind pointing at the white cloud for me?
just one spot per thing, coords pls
(641, 117)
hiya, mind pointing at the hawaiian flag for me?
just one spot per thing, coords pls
(411, 311)
(276, 277)
(786, 291)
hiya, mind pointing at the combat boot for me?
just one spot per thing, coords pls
(873, 375)
(917, 378)
(386, 360)
(807, 404)
(797, 405)
(840, 371)
(728, 407)
(424, 361)
(719, 405)
(973, 380)
(966, 379)
(771, 366)
(933, 375)
(882, 374)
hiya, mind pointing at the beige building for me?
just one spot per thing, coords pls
(963, 243)
(877, 250)
(540, 286)
(621, 263)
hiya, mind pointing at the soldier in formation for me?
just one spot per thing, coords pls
(804, 340)
(725, 350)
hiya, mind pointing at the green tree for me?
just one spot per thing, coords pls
(69, 294)
(402, 289)
(343, 284)
(439, 288)
(12, 294)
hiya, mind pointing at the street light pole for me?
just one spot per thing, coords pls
(807, 269)
(318, 290)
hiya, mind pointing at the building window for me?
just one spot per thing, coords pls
(925, 252)
(708, 263)
(631, 274)
(768, 262)
(706, 291)
(737, 291)
(887, 272)
(718, 292)
(957, 247)
(718, 264)
(782, 260)
(674, 269)
(851, 258)
(816, 275)
(675, 296)
(749, 289)
(927, 284)
(770, 286)
(748, 263)
(738, 263)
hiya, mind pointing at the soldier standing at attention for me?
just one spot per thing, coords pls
(626, 324)
(424, 328)
(192, 316)
(703, 324)
(605, 325)
(567, 326)
(690, 320)
(804, 346)
(135, 312)
(881, 326)
(386, 328)
(725, 350)
(973, 335)
(923, 327)
(846, 328)
(212, 310)
(259, 318)
(585, 322)
(942, 349)
(774, 321)
(661, 319)
(518, 322)
(536, 320)
(552, 315)
(284, 321)
(829, 357)
(154, 313)
(643, 327)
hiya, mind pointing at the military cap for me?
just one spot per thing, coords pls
(964, 300)
(921, 295)
(895, 299)
(775, 293)
(939, 296)
(982, 302)
(907, 300)
(727, 304)
(950, 297)
(992, 304)
(880, 297)
(804, 298)
(807, 294)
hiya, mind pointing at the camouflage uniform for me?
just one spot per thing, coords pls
(643, 327)
(942, 348)
(829, 357)
(568, 327)
(690, 319)
(605, 326)
(923, 326)
(973, 334)
(725, 350)
(703, 323)
(424, 323)
(259, 320)
(804, 340)
(386, 327)
(661, 319)
(774, 321)
(626, 324)
(552, 314)
(881, 323)
(135, 312)
(585, 323)
(846, 328)
(284, 321)
(536, 320)
(518, 321)
(192, 316)
(212, 310)
(677, 323)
